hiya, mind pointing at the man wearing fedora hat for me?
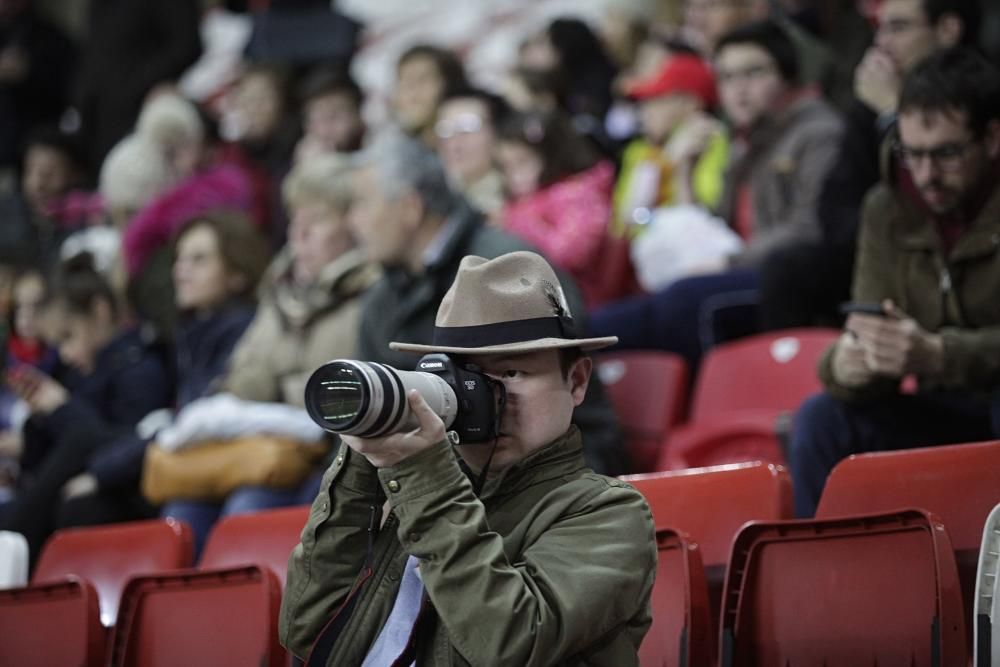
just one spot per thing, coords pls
(506, 553)
(408, 219)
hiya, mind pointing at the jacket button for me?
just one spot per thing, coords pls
(340, 460)
(394, 486)
(414, 537)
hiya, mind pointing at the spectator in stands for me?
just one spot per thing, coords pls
(409, 220)
(488, 555)
(131, 48)
(424, 75)
(928, 254)
(218, 259)
(37, 67)
(331, 113)
(466, 140)
(534, 89)
(680, 143)
(117, 381)
(308, 314)
(33, 226)
(803, 284)
(784, 141)
(560, 199)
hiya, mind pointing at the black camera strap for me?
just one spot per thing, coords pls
(501, 405)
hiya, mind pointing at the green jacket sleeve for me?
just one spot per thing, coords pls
(325, 565)
(582, 579)
(971, 358)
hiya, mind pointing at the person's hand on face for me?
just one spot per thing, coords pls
(42, 394)
(391, 449)
(877, 81)
(691, 140)
(896, 345)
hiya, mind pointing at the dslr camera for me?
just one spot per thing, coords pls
(368, 400)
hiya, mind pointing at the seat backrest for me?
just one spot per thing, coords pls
(108, 555)
(264, 538)
(774, 371)
(869, 590)
(681, 631)
(711, 504)
(986, 600)
(959, 483)
(211, 617)
(649, 394)
(55, 623)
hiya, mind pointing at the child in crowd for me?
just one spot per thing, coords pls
(331, 115)
(560, 199)
(115, 380)
(218, 260)
(424, 74)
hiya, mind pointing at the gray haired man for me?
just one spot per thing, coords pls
(410, 221)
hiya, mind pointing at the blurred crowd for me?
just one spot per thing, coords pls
(198, 201)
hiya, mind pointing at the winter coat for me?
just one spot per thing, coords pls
(551, 565)
(900, 257)
(296, 330)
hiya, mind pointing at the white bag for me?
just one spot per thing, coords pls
(13, 559)
(680, 241)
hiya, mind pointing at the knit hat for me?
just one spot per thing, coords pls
(133, 174)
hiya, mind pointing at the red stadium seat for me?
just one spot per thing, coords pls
(959, 483)
(51, 624)
(262, 538)
(745, 389)
(215, 617)
(862, 591)
(712, 504)
(107, 556)
(681, 632)
(649, 393)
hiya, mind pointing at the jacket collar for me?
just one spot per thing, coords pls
(342, 279)
(561, 457)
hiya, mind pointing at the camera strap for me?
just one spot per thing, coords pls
(501, 405)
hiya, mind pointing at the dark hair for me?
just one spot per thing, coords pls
(769, 36)
(241, 246)
(956, 79)
(495, 105)
(447, 63)
(539, 81)
(52, 137)
(969, 11)
(590, 72)
(77, 286)
(563, 151)
(326, 81)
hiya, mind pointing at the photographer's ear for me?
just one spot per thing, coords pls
(579, 378)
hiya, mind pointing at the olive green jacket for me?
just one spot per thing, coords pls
(900, 257)
(554, 565)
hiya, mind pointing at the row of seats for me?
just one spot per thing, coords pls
(744, 395)
(738, 580)
(126, 594)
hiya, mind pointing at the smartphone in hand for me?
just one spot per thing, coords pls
(865, 308)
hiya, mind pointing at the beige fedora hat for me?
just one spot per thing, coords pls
(508, 305)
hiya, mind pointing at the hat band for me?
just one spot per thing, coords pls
(504, 333)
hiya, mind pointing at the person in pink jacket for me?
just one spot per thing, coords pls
(559, 200)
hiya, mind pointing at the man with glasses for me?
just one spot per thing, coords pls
(926, 286)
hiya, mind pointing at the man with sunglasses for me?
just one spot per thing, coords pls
(927, 279)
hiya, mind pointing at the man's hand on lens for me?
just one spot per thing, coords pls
(391, 449)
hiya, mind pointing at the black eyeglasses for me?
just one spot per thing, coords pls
(947, 157)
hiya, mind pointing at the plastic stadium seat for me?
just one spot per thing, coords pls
(681, 632)
(107, 556)
(51, 624)
(649, 394)
(262, 538)
(959, 483)
(871, 590)
(216, 617)
(745, 390)
(986, 610)
(712, 504)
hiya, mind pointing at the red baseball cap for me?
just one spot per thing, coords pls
(679, 74)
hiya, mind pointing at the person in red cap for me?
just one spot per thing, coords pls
(682, 153)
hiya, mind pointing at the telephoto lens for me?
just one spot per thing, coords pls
(369, 400)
